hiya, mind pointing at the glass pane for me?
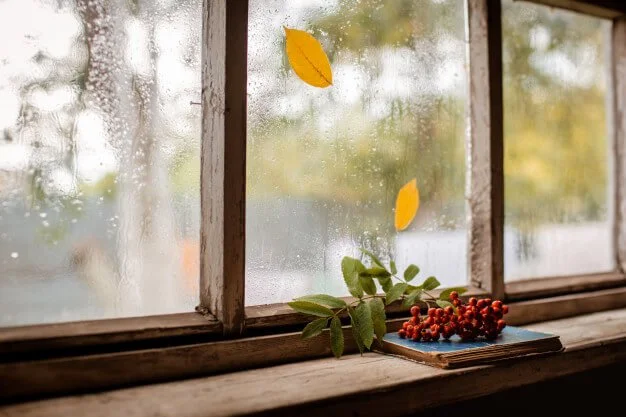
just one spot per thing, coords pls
(325, 165)
(99, 158)
(556, 143)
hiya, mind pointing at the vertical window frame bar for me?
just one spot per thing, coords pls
(223, 161)
(485, 147)
(617, 88)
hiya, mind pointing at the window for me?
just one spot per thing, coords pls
(557, 170)
(324, 165)
(157, 163)
(99, 159)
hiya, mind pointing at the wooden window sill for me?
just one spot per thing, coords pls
(355, 384)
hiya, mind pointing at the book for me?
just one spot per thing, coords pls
(513, 342)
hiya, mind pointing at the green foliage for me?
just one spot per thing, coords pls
(314, 328)
(367, 312)
(411, 272)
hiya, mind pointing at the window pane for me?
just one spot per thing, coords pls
(556, 143)
(325, 165)
(99, 158)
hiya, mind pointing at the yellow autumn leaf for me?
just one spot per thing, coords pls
(307, 58)
(407, 203)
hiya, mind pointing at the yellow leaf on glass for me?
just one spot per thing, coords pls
(307, 58)
(407, 203)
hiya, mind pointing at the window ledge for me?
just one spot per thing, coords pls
(355, 384)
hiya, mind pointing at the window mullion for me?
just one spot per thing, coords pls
(485, 177)
(223, 161)
(618, 91)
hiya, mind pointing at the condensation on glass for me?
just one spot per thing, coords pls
(99, 158)
(324, 165)
(557, 179)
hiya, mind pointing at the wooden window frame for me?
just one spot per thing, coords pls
(226, 335)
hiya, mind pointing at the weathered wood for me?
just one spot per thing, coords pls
(565, 306)
(618, 88)
(223, 165)
(608, 9)
(551, 286)
(36, 378)
(355, 385)
(54, 337)
(485, 178)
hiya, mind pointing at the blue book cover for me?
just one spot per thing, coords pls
(512, 342)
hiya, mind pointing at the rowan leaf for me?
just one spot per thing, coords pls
(430, 283)
(307, 307)
(307, 58)
(355, 330)
(377, 309)
(407, 204)
(373, 257)
(368, 284)
(324, 299)
(410, 272)
(395, 292)
(350, 269)
(363, 316)
(336, 337)
(394, 269)
(314, 328)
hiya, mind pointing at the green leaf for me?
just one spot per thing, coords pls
(336, 337)
(392, 265)
(373, 257)
(314, 328)
(375, 271)
(395, 292)
(377, 309)
(412, 298)
(355, 330)
(350, 269)
(444, 304)
(323, 299)
(313, 309)
(410, 272)
(385, 283)
(368, 284)
(445, 294)
(430, 284)
(363, 316)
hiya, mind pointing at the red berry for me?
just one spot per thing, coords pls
(461, 310)
(505, 309)
(439, 312)
(501, 324)
(469, 315)
(456, 302)
(434, 328)
(410, 328)
(435, 335)
(481, 304)
(473, 301)
(488, 301)
(431, 312)
(413, 321)
(449, 310)
(416, 337)
(405, 325)
(402, 333)
(454, 295)
(497, 304)
(415, 311)
(426, 336)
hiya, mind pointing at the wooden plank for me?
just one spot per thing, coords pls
(223, 161)
(618, 78)
(551, 286)
(485, 178)
(608, 9)
(354, 385)
(565, 306)
(53, 337)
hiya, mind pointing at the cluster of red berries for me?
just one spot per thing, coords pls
(476, 318)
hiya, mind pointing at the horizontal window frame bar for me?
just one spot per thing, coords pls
(533, 288)
(606, 9)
